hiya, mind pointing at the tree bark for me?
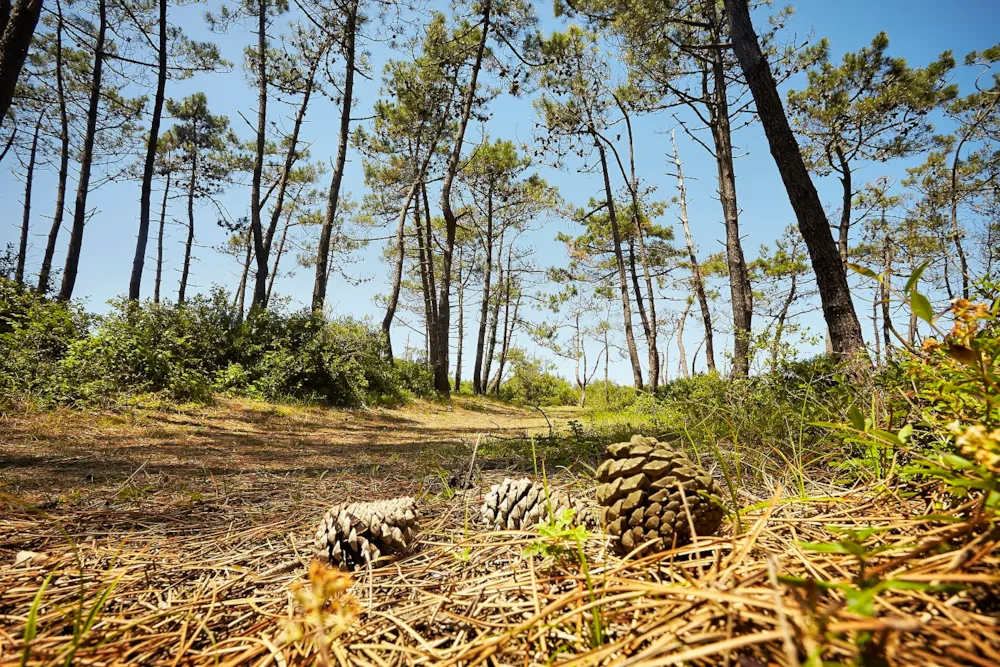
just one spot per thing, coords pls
(509, 322)
(741, 293)
(441, 381)
(241, 291)
(159, 241)
(277, 257)
(15, 39)
(333, 199)
(495, 318)
(461, 325)
(844, 231)
(477, 370)
(86, 160)
(57, 218)
(22, 250)
(699, 281)
(955, 228)
(146, 191)
(190, 236)
(620, 260)
(780, 325)
(424, 258)
(831, 277)
(397, 273)
(682, 361)
(256, 226)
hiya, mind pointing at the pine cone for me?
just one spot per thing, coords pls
(522, 504)
(639, 489)
(355, 534)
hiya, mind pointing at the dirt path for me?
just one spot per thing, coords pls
(47, 456)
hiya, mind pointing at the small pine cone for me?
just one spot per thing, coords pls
(639, 490)
(522, 504)
(358, 534)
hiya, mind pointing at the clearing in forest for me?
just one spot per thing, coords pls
(182, 536)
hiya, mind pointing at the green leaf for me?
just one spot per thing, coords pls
(824, 547)
(905, 432)
(865, 271)
(31, 626)
(857, 419)
(914, 277)
(922, 307)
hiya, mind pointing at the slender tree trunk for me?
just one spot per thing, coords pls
(620, 260)
(477, 370)
(241, 291)
(423, 252)
(831, 277)
(57, 218)
(185, 272)
(333, 200)
(495, 318)
(697, 278)
(397, 273)
(682, 355)
(277, 257)
(22, 250)
(884, 290)
(159, 242)
(741, 293)
(509, 322)
(86, 160)
(441, 382)
(461, 325)
(146, 191)
(956, 231)
(15, 39)
(780, 325)
(875, 333)
(844, 236)
(290, 158)
(256, 225)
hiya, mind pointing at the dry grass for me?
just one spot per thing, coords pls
(204, 568)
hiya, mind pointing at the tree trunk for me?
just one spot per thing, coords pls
(495, 318)
(286, 168)
(397, 273)
(509, 322)
(741, 293)
(844, 231)
(241, 291)
(441, 382)
(424, 257)
(780, 325)
(190, 237)
(159, 241)
(146, 191)
(698, 280)
(955, 228)
(256, 226)
(831, 277)
(86, 161)
(477, 370)
(333, 200)
(57, 218)
(461, 325)
(620, 260)
(277, 257)
(682, 360)
(885, 286)
(15, 38)
(22, 250)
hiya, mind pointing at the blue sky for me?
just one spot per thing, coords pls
(918, 29)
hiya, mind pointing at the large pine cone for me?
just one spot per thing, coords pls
(521, 504)
(639, 488)
(355, 534)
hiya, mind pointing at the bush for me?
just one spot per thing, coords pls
(531, 382)
(59, 354)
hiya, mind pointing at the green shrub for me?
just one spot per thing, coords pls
(532, 382)
(35, 335)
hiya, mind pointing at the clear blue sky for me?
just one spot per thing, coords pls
(918, 29)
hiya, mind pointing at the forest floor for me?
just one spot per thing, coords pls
(182, 536)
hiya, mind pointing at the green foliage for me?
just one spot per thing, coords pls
(59, 354)
(533, 383)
